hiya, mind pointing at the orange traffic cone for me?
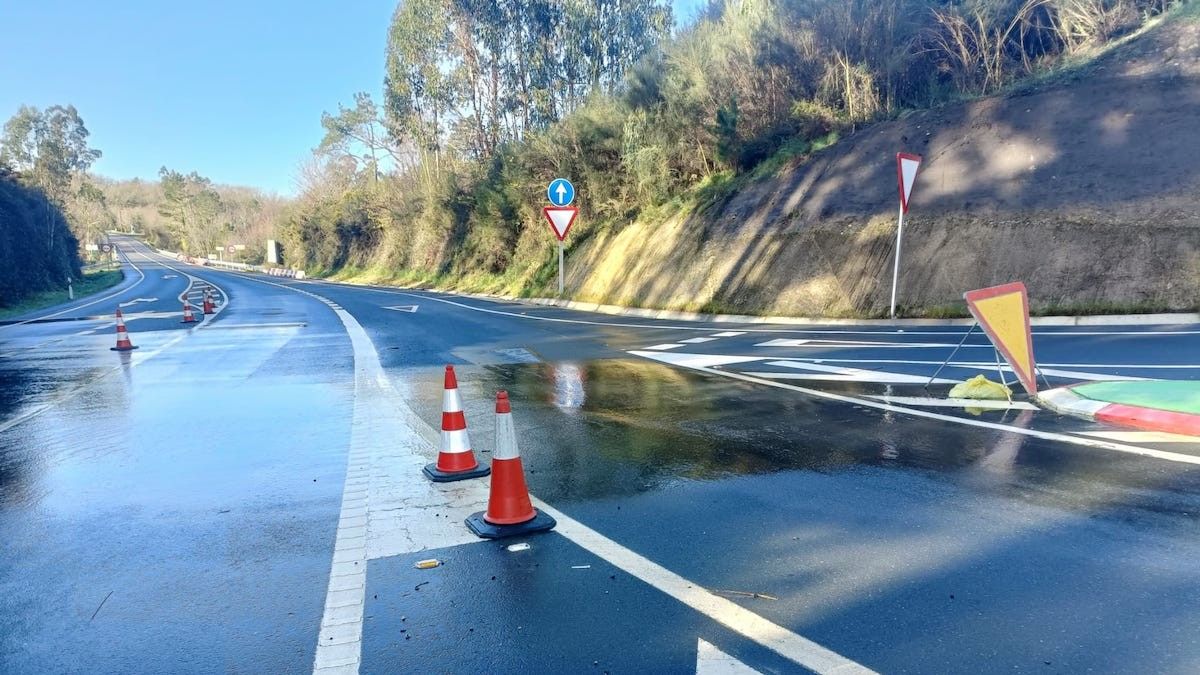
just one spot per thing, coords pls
(208, 303)
(455, 460)
(188, 317)
(123, 343)
(509, 511)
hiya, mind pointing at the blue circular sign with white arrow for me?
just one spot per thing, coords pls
(560, 192)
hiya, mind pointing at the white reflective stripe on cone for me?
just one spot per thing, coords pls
(506, 438)
(451, 402)
(455, 441)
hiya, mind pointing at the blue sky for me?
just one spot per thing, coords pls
(233, 89)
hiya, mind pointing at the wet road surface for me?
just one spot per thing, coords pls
(194, 506)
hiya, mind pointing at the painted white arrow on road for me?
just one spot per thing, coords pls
(713, 661)
(136, 301)
(403, 308)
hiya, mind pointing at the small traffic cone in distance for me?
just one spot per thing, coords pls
(455, 460)
(188, 317)
(123, 343)
(509, 511)
(208, 303)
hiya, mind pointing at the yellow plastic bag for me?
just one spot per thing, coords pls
(980, 388)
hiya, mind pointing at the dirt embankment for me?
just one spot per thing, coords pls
(1087, 190)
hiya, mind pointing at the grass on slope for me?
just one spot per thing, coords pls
(93, 282)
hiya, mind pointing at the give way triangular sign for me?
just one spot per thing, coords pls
(560, 219)
(906, 174)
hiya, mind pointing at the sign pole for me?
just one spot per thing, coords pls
(560, 268)
(896, 266)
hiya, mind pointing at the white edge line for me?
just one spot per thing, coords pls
(729, 614)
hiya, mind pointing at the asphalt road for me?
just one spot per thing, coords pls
(245, 495)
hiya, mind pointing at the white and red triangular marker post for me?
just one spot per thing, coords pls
(906, 175)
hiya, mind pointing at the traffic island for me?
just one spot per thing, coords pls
(1171, 406)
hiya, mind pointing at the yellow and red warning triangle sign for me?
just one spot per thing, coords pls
(1003, 312)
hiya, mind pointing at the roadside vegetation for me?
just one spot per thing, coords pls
(91, 282)
(45, 200)
(441, 182)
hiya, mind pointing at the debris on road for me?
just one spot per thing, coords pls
(518, 547)
(581, 567)
(747, 594)
(981, 389)
(427, 564)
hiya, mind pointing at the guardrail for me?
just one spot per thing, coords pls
(241, 267)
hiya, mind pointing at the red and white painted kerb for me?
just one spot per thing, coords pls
(1067, 402)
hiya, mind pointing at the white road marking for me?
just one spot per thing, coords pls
(729, 614)
(130, 303)
(992, 364)
(665, 346)
(914, 412)
(698, 360)
(697, 340)
(873, 344)
(931, 402)
(852, 374)
(729, 333)
(865, 376)
(1142, 436)
(411, 309)
(1077, 375)
(713, 661)
(388, 506)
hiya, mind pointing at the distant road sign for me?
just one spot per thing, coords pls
(230, 248)
(560, 219)
(106, 248)
(560, 192)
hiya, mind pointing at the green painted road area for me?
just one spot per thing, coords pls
(1171, 395)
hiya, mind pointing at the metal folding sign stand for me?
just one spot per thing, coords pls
(996, 352)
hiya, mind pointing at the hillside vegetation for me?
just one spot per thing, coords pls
(38, 251)
(749, 150)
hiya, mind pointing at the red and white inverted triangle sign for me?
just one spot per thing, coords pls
(560, 219)
(906, 175)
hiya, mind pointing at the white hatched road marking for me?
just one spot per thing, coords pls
(665, 346)
(846, 374)
(915, 412)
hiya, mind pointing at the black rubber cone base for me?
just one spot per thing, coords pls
(540, 523)
(122, 349)
(431, 472)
